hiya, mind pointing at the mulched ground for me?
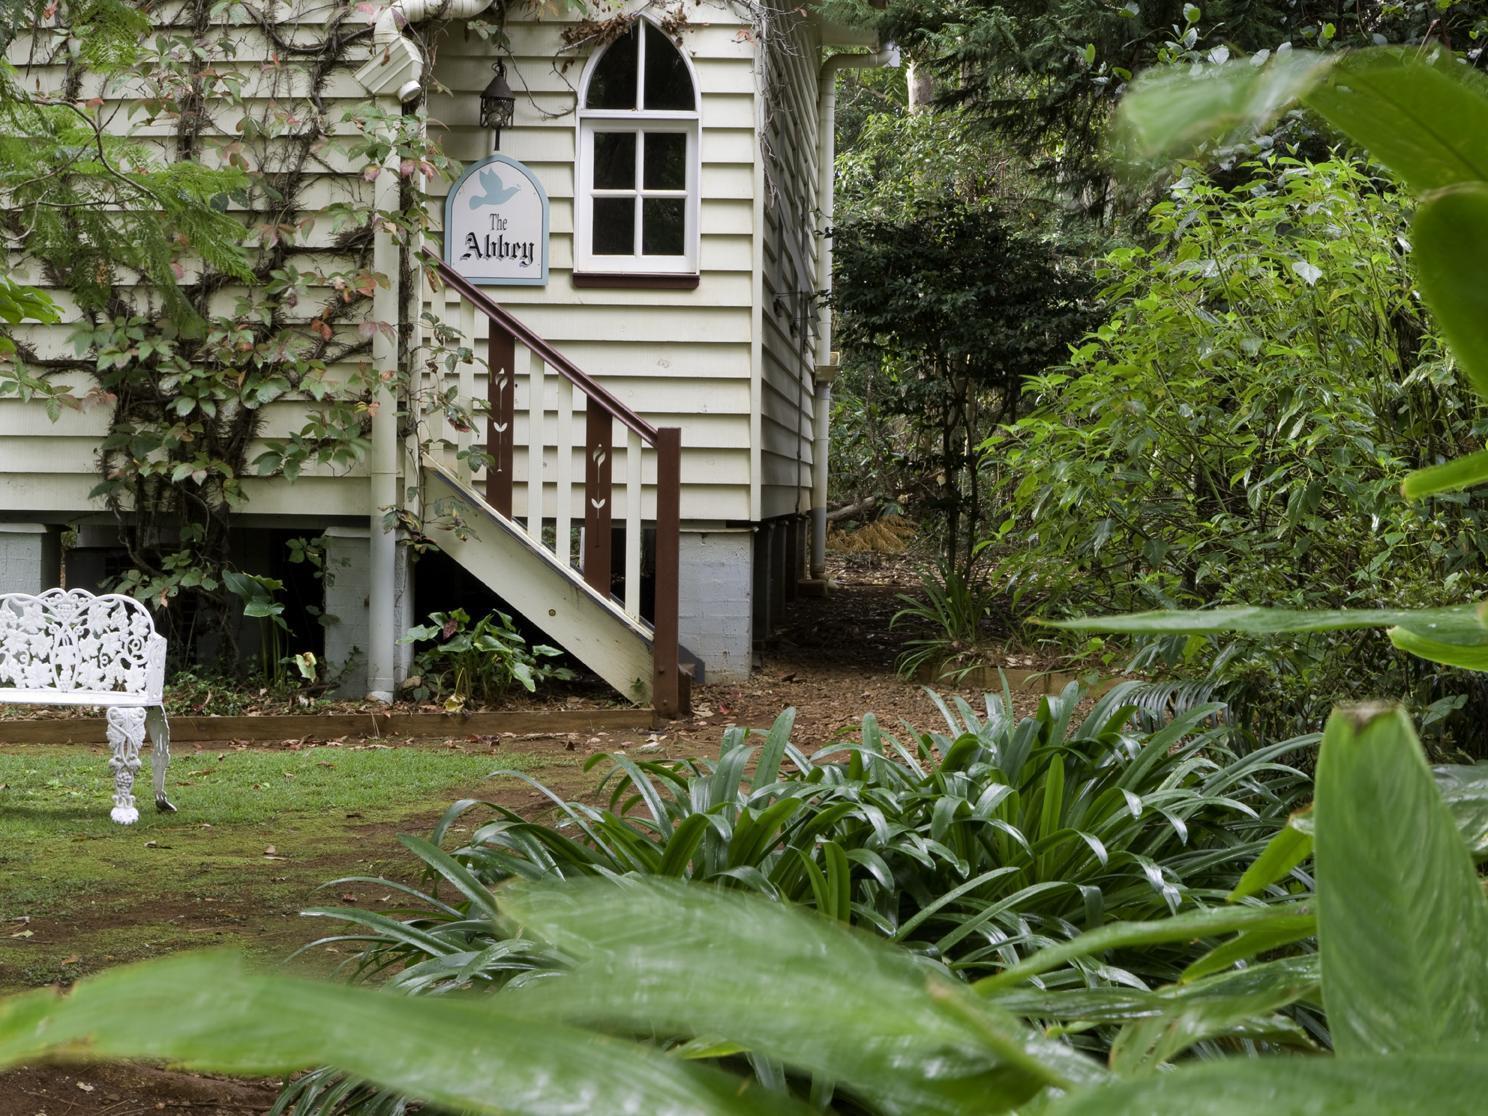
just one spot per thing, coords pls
(833, 661)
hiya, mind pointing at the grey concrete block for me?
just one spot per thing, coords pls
(347, 589)
(716, 600)
(30, 558)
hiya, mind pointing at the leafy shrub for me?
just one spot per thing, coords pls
(1248, 411)
(942, 337)
(480, 663)
(866, 1027)
(953, 605)
(975, 846)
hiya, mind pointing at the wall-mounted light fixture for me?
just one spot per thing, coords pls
(498, 103)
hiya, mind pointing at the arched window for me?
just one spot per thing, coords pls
(637, 186)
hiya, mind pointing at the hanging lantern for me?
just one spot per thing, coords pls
(498, 103)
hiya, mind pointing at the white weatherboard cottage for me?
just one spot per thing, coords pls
(643, 254)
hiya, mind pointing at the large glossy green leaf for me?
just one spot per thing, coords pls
(1396, 1086)
(1188, 926)
(1450, 235)
(1162, 1023)
(1402, 919)
(658, 956)
(209, 1011)
(1464, 788)
(1450, 476)
(1170, 111)
(1446, 652)
(1419, 112)
(1460, 624)
(1241, 1003)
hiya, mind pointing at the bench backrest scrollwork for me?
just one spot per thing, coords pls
(71, 641)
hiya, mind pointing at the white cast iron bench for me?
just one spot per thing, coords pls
(69, 647)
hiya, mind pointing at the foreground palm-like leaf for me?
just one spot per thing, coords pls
(1402, 920)
(209, 1011)
(1390, 100)
(1397, 1086)
(977, 845)
(1404, 971)
(1402, 927)
(651, 958)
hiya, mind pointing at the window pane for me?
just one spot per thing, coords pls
(614, 160)
(663, 224)
(613, 83)
(667, 84)
(666, 161)
(614, 226)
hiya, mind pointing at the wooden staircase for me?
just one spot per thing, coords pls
(524, 551)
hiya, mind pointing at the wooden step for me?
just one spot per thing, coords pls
(549, 596)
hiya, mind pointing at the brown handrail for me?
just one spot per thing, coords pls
(669, 690)
(551, 356)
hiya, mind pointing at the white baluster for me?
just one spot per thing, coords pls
(563, 497)
(441, 433)
(536, 412)
(633, 453)
(464, 438)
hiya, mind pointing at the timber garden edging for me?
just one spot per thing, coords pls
(331, 726)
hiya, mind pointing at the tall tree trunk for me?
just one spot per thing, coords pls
(921, 83)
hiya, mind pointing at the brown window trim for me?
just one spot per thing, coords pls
(626, 280)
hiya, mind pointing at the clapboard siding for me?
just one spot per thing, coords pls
(48, 468)
(722, 361)
(678, 357)
(790, 246)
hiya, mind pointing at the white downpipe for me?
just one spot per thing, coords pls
(826, 369)
(387, 35)
(382, 564)
(394, 74)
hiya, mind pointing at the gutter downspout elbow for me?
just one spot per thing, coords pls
(826, 367)
(397, 65)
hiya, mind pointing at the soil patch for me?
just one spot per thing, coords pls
(833, 660)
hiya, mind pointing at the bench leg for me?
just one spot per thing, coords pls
(159, 729)
(126, 733)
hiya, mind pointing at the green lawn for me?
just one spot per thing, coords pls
(256, 833)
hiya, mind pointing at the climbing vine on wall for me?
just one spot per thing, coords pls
(215, 238)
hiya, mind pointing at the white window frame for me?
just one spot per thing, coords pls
(637, 121)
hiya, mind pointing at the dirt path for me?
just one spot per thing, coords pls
(833, 661)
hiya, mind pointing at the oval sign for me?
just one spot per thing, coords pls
(496, 225)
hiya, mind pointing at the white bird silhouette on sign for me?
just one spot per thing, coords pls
(496, 191)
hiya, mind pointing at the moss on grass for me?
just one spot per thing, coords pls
(256, 834)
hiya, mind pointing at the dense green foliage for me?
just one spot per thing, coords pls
(1264, 382)
(974, 848)
(1381, 99)
(460, 662)
(861, 1026)
(953, 280)
(957, 306)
